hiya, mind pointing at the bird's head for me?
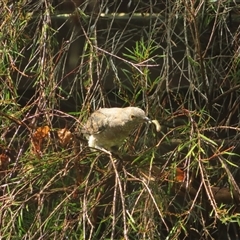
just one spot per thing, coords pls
(137, 115)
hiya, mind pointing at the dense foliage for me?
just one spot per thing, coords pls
(177, 60)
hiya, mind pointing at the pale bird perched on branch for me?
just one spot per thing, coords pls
(107, 128)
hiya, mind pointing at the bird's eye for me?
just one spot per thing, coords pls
(132, 116)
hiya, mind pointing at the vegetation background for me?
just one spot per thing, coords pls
(178, 60)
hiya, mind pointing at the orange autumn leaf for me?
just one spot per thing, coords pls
(65, 136)
(41, 132)
(180, 175)
(4, 162)
(38, 136)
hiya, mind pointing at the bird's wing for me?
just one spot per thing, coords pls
(96, 123)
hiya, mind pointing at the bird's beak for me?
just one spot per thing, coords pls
(148, 120)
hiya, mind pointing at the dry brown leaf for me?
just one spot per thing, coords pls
(65, 136)
(38, 136)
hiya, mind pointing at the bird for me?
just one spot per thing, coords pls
(107, 128)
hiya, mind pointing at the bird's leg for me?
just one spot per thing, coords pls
(95, 148)
(104, 150)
